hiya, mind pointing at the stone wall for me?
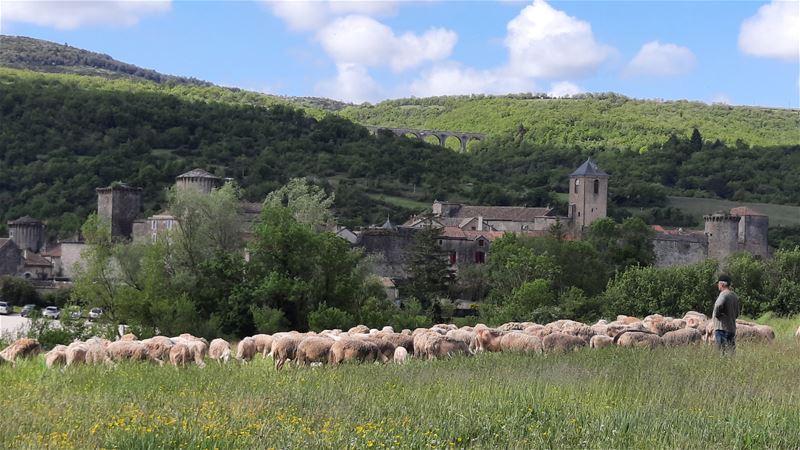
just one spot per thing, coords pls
(393, 246)
(10, 258)
(678, 251)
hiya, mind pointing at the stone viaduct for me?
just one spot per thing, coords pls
(441, 136)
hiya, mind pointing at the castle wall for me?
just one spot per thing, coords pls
(70, 256)
(27, 236)
(722, 231)
(753, 235)
(120, 206)
(10, 259)
(672, 251)
(393, 245)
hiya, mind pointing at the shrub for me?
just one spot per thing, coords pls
(18, 291)
(328, 318)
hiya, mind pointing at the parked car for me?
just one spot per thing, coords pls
(5, 308)
(52, 312)
(27, 310)
(95, 313)
(76, 314)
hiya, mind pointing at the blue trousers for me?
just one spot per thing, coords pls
(726, 342)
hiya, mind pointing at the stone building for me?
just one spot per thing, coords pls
(28, 233)
(740, 230)
(10, 257)
(119, 204)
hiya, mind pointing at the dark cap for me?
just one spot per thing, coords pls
(725, 279)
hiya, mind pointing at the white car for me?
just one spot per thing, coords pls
(5, 308)
(95, 313)
(52, 312)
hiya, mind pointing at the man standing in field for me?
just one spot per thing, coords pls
(723, 319)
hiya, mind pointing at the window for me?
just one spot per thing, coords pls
(453, 257)
(152, 224)
(596, 186)
(440, 242)
(480, 242)
(577, 183)
(480, 257)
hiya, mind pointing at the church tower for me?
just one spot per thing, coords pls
(588, 194)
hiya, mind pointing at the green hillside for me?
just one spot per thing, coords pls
(590, 121)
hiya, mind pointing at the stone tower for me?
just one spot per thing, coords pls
(722, 231)
(198, 179)
(588, 195)
(27, 233)
(119, 204)
(753, 228)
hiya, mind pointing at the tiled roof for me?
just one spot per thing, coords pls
(588, 169)
(745, 211)
(197, 173)
(53, 252)
(514, 213)
(678, 234)
(471, 235)
(34, 259)
(25, 220)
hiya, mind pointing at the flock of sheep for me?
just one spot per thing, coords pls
(361, 344)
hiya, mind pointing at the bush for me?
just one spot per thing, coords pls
(269, 320)
(329, 318)
(411, 316)
(18, 291)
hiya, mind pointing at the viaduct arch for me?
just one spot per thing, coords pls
(441, 136)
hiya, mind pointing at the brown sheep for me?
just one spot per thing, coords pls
(628, 320)
(96, 352)
(158, 347)
(359, 329)
(55, 357)
(127, 350)
(638, 339)
(533, 329)
(76, 353)
(21, 348)
(694, 319)
(219, 350)
(600, 341)
(246, 350)
(352, 350)
(199, 349)
(385, 347)
(443, 346)
(263, 344)
(521, 342)
(128, 337)
(755, 333)
(661, 327)
(488, 339)
(560, 342)
(313, 349)
(684, 336)
(399, 340)
(578, 329)
(180, 355)
(284, 348)
(461, 335)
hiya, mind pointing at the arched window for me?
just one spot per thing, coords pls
(596, 186)
(577, 183)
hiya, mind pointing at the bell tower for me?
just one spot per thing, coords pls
(588, 194)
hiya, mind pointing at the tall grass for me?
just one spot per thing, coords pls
(611, 398)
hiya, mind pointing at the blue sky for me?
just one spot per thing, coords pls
(732, 52)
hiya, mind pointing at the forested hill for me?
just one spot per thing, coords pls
(44, 56)
(20, 52)
(590, 121)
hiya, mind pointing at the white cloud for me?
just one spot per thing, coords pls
(352, 84)
(564, 89)
(774, 32)
(661, 60)
(453, 79)
(68, 15)
(547, 43)
(304, 15)
(365, 41)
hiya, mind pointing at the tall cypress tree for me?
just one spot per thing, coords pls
(430, 275)
(696, 141)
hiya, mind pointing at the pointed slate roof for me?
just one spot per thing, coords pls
(25, 220)
(197, 173)
(588, 169)
(388, 225)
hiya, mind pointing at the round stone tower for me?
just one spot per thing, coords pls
(198, 179)
(27, 233)
(753, 227)
(722, 231)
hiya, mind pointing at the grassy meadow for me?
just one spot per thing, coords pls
(611, 398)
(785, 215)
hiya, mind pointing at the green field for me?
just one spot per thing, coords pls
(611, 398)
(402, 202)
(778, 214)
